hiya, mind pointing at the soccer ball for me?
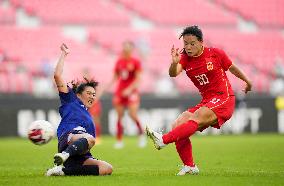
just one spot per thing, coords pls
(40, 132)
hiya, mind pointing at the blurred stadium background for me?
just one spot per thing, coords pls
(31, 31)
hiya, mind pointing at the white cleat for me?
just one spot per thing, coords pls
(188, 170)
(142, 141)
(156, 138)
(55, 171)
(60, 158)
(118, 145)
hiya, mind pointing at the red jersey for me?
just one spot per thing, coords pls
(125, 70)
(96, 109)
(207, 72)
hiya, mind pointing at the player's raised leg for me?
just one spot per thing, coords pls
(156, 137)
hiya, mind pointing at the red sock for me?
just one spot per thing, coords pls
(98, 129)
(182, 131)
(184, 150)
(140, 131)
(119, 132)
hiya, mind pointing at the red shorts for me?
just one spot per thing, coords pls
(125, 101)
(96, 109)
(222, 106)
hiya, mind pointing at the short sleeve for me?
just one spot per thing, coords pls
(68, 97)
(138, 66)
(183, 60)
(226, 63)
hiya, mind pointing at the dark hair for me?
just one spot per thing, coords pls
(79, 86)
(192, 30)
(131, 43)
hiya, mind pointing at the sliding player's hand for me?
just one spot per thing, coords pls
(64, 49)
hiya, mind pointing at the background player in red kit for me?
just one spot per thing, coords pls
(127, 74)
(96, 111)
(206, 69)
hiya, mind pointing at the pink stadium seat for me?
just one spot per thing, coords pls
(17, 42)
(148, 82)
(79, 11)
(111, 38)
(178, 13)
(4, 82)
(22, 82)
(108, 26)
(7, 15)
(260, 48)
(264, 13)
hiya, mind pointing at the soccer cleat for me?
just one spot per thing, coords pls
(60, 158)
(55, 171)
(118, 145)
(142, 141)
(156, 138)
(188, 170)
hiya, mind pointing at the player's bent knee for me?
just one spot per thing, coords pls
(91, 141)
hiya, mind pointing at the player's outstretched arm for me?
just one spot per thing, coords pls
(238, 73)
(60, 83)
(175, 68)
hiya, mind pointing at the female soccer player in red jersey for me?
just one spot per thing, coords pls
(127, 74)
(206, 69)
(96, 111)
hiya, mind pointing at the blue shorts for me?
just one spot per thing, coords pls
(77, 159)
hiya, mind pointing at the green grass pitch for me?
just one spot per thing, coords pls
(222, 160)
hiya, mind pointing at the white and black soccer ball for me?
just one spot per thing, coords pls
(40, 132)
